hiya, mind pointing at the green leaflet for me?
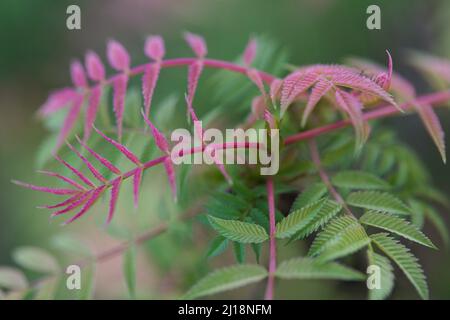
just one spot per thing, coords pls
(12, 279)
(343, 236)
(297, 220)
(406, 261)
(386, 276)
(308, 268)
(36, 259)
(243, 232)
(353, 179)
(129, 270)
(217, 247)
(438, 222)
(239, 252)
(226, 279)
(309, 195)
(396, 225)
(329, 209)
(378, 201)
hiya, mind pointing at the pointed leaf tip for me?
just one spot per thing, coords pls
(160, 140)
(77, 73)
(94, 66)
(197, 44)
(154, 48)
(118, 56)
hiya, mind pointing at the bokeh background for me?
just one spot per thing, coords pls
(35, 51)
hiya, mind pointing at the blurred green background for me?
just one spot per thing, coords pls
(36, 49)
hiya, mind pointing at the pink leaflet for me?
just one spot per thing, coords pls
(352, 106)
(269, 119)
(433, 126)
(77, 74)
(171, 176)
(56, 191)
(95, 195)
(149, 80)
(321, 88)
(57, 100)
(154, 48)
(295, 84)
(113, 200)
(249, 52)
(91, 111)
(88, 164)
(70, 120)
(197, 44)
(63, 178)
(75, 171)
(94, 66)
(258, 107)
(118, 56)
(256, 78)
(101, 159)
(120, 88)
(124, 150)
(160, 140)
(63, 203)
(194, 72)
(137, 177)
(74, 204)
(275, 88)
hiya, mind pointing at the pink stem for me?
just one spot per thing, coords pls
(381, 112)
(272, 242)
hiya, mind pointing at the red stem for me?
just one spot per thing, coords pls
(272, 242)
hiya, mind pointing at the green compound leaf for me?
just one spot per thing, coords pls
(406, 261)
(297, 220)
(309, 195)
(343, 236)
(329, 209)
(308, 268)
(243, 232)
(226, 279)
(378, 201)
(354, 179)
(386, 276)
(396, 225)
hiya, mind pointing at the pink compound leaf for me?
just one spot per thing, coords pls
(105, 162)
(77, 172)
(70, 120)
(320, 89)
(197, 44)
(118, 56)
(124, 150)
(137, 178)
(91, 112)
(57, 101)
(249, 52)
(63, 178)
(89, 203)
(433, 126)
(295, 84)
(149, 80)
(160, 140)
(78, 75)
(115, 188)
(94, 66)
(120, 88)
(88, 164)
(168, 165)
(55, 191)
(154, 48)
